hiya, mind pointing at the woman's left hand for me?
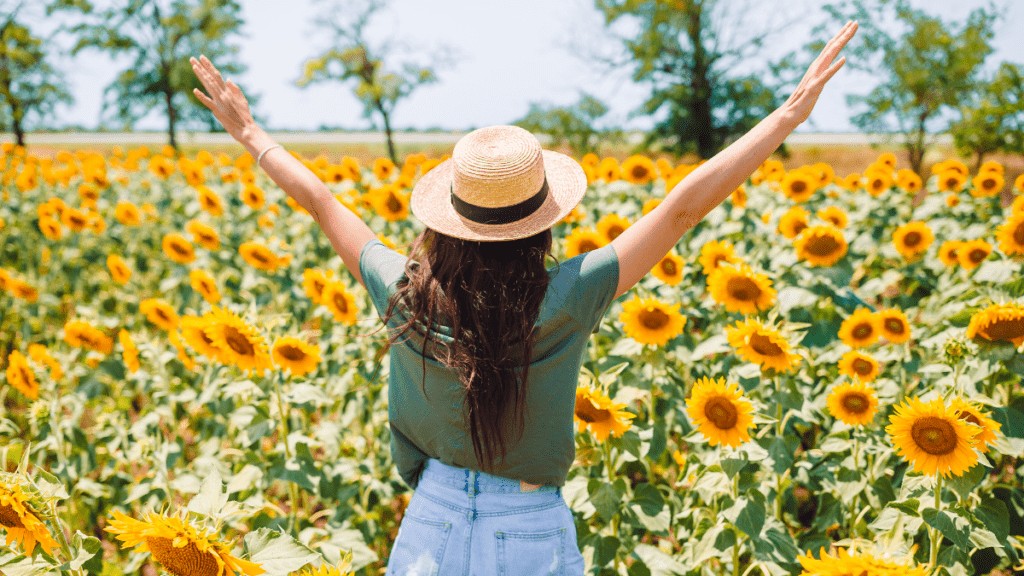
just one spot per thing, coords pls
(226, 100)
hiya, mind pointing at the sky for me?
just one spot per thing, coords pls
(508, 54)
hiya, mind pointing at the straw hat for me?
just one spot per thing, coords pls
(499, 184)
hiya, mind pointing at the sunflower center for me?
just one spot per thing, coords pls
(1018, 234)
(188, 560)
(1006, 329)
(392, 203)
(977, 255)
(341, 303)
(952, 182)
(721, 413)
(668, 267)
(764, 346)
(179, 249)
(862, 366)
(614, 231)
(912, 239)
(798, 226)
(587, 412)
(934, 435)
(639, 172)
(965, 415)
(653, 318)
(744, 289)
(988, 183)
(260, 256)
(862, 331)
(798, 186)
(855, 403)
(238, 342)
(587, 246)
(822, 245)
(877, 184)
(290, 352)
(9, 517)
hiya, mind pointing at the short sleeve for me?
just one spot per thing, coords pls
(380, 268)
(595, 286)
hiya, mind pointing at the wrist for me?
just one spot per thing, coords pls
(255, 139)
(787, 118)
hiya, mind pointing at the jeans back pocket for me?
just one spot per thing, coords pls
(531, 553)
(419, 546)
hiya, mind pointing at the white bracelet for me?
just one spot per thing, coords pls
(268, 149)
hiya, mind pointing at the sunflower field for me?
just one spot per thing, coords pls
(823, 377)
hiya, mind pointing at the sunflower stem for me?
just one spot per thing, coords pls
(936, 537)
(64, 545)
(736, 554)
(283, 431)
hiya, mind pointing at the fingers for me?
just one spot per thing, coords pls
(203, 98)
(835, 45)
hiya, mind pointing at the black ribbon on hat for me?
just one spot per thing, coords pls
(500, 214)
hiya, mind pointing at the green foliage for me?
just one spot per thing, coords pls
(30, 88)
(992, 120)
(159, 37)
(574, 125)
(926, 67)
(677, 51)
(352, 58)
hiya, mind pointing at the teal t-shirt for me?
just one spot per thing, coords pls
(432, 425)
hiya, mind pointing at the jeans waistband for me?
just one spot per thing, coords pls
(474, 481)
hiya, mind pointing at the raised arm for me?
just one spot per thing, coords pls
(646, 242)
(345, 230)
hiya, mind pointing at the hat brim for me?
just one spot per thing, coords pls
(431, 202)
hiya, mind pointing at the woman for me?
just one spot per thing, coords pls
(481, 404)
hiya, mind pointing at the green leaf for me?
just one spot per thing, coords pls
(85, 550)
(910, 506)
(748, 515)
(659, 563)
(605, 498)
(953, 526)
(277, 552)
(732, 466)
(211, 497)
(993, 514)
(964, 485)
(649, 498)
(605, 549)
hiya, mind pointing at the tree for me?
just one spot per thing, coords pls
(30, 88)
(160, 36)
(925, 69)
(686, 51)
(351, 57)
(575, 125)
(992, 120)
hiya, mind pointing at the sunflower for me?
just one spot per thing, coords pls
(714, 253)
(391, 203)
(127, 213)
(973, 413)
(762, 345)
(76, 220)
(973, 252)
(590, 159)
(81, 334)
(50, 228)
(340, 302)
(720, 411)
(203, 235)
(834, 215)
(210, 201)
(119, 269)
(240, 343)
(575, 215)
(893, 324)
(608, 170)
(180, 547)
(951, 181)
(820, 245)
(611, 225)
(999, 322)
(856, 364)
(159, 312)
(161, 166)
(178, 248)
(793, 221)
(852, 182)
(194, 333)
(741, 289)
(1011, 233)
(853, 403)
(40, 354)
(948, 252)
(342, 569)
(799, 185)
(314, 280)
(583, 239)
(912, 238)
(908, 180)
(987, 184)
(259, 256)
(991, 166)
(739, 196)
(20, 516)
(650, 321)
(860, 329)
(129, 353)
(295, 355)
(669, 269)
(204, 283)
(638, 169)
(23, 290)
(933, 437)
(878, 181)
(597, 412)
(856, 564)
(383, 168)
(21, 377)
(952, 200)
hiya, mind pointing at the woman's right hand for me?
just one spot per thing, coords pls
(225, 100)
(799, 105)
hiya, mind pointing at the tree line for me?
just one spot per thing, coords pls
(929, 71)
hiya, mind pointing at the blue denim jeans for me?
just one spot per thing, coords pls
(465, 522)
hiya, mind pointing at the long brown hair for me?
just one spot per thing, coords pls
(489, 294)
